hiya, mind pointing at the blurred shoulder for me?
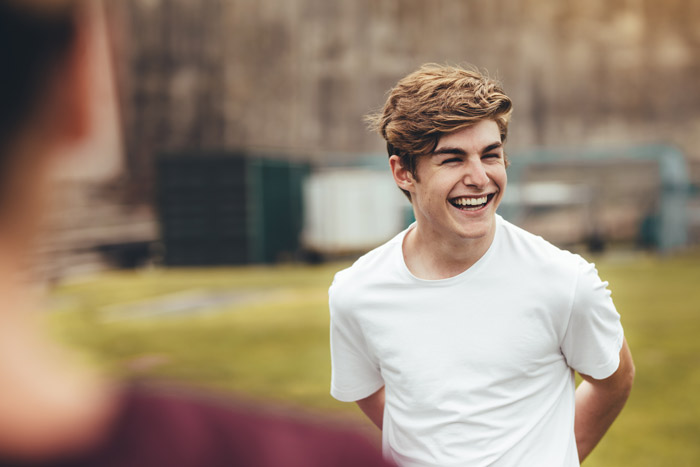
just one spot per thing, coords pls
(166, 425)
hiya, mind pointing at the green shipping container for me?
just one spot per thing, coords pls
(229, 208)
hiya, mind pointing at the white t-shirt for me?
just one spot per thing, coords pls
(477, 368)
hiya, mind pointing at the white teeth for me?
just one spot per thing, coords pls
(471, 201)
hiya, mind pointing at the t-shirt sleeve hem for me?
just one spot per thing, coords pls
(607, 369)
(355, 394)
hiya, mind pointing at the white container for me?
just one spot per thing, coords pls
(351, 210)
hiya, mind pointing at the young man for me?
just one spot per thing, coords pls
(459, 338)
(52, 412)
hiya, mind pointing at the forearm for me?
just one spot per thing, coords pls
(596, 410)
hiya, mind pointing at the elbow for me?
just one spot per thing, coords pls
(625, 381)
(627, 371)
(629, 378)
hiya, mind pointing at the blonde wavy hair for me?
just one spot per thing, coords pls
(433, 101)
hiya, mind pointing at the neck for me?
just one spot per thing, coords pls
(432, 257)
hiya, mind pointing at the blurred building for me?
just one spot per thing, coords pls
(298, 75)
(295, 77)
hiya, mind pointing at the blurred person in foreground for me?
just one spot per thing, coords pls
(459, 338)
(53, 413)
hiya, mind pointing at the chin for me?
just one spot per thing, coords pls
(480, 230)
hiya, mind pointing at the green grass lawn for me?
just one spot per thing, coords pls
(275, 347)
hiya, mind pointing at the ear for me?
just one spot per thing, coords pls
(402, 176)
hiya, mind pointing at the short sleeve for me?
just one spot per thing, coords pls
(594, 335)
(355, 372)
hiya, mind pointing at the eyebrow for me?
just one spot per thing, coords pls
(462, 152)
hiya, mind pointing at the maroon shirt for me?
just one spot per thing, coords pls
(156, 428)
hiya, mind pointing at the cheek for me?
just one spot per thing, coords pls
(500, 177)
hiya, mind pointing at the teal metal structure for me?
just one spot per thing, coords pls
(667, 228)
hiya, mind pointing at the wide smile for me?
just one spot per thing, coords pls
(472, 203)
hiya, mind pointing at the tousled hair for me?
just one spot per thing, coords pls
(433, 101)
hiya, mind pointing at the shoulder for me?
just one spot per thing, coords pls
(372, 269)
(533, 259)
(535, 250)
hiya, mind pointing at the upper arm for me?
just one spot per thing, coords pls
(373, 407)
(621, 380)
(593, 340)
(355, 368)
(599, 401)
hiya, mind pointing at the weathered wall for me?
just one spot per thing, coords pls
(298, 75)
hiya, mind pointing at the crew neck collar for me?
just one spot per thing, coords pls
(448, 280)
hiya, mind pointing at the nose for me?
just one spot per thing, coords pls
(475, 173)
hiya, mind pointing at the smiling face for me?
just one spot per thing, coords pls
(458, 187)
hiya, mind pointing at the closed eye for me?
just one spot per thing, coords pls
(491, 156)
(451, 160)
